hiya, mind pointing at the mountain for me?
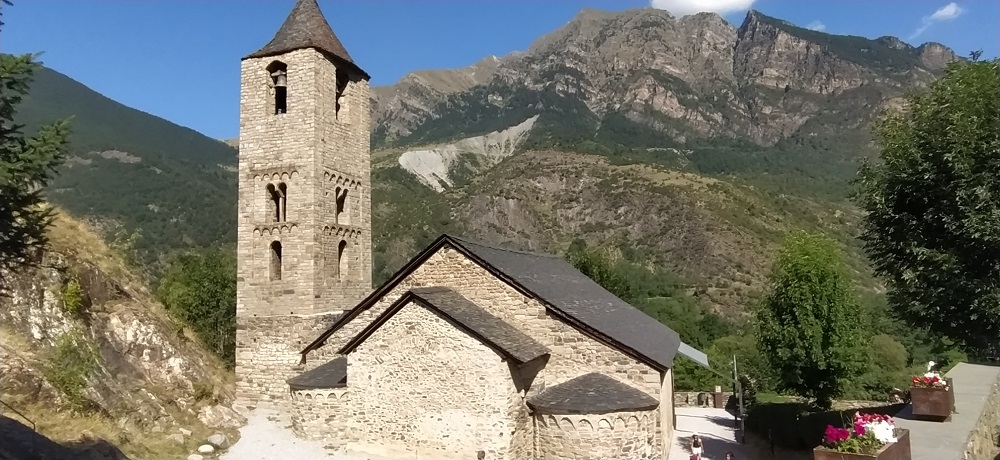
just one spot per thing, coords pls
(694, 143)
(136, 170)
(613, 82)
(686, 143)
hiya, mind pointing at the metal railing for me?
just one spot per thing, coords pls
(19, 414)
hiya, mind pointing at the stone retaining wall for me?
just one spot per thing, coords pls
(690, 398)
(983, 440)
(623, 435)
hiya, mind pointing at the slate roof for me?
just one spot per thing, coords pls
(557, 283)
(453, 307)
(306, 27)
(573, 296)
(330, 375)
(591, 394)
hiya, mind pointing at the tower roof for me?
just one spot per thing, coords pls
(306, 27)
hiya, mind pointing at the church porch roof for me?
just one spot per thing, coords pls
(333, 374)
(502, 337)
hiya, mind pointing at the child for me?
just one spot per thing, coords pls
(696, 446)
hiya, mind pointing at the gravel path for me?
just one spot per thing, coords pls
(264, 439)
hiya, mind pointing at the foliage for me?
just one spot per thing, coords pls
(200, 289)
(69, 365)
(27, 165)
(72, 297)
(868, 433)
(809, 324)
(602, 272)
(932, 204)
(174, 184)
(798, 426)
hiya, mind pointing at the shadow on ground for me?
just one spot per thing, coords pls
(20, 442)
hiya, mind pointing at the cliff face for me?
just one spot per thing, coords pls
(86, 348)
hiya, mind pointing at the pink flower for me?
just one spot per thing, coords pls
(835, 435)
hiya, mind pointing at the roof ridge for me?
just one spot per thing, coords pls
(462, 239)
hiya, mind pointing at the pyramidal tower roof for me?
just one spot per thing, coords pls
(305, 27)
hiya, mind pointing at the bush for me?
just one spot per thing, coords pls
(72, 297)
(800, 426)
(70, 364)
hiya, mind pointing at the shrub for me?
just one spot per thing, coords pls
(800, 426)
(72, 298)
(70, 363)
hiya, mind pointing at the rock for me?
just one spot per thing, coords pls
(218, 440)
(206, 449)
(221, 417)
(185, 432)
(176, 437)
(195, 457)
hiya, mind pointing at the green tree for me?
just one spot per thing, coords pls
(200, 289)
(809, 325)
(26, 166)
(932, 202)
(602, 271)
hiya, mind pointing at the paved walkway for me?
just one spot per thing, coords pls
(715, 427)
(946, 440)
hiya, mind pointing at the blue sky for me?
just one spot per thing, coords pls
(179, 59)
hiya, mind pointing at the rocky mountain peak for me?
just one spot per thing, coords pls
(935, 55)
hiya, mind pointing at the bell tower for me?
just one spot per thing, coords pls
(304, 237)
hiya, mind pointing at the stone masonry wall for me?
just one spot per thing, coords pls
(424, 388)
(983, 441)
(325, 415)
(621, 436)
(267, 353)
(573, 353)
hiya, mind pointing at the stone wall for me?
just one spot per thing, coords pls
(267, 353)
(325, 415)
(428, 389)
(983, 441)
(690, 398)
(623, 436)
(573, 352)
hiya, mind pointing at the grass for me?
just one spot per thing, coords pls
(77, 250)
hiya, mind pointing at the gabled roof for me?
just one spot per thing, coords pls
(591, 394)
(467, 316)
(306, 27)
(568, 293)
(333, 374)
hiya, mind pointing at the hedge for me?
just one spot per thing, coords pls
(798, 426)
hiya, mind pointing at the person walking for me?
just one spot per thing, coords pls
(696, 447)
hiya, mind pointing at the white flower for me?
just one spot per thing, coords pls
(930, 365)
(883, 431)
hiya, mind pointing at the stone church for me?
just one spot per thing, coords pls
(470, 351)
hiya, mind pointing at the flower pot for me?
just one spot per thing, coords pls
(935, 404)
(899, 450)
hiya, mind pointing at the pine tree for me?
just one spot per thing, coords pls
(27, 164)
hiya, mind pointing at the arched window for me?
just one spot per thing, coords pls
(283, 203)
(279, 80)
(276, 197)
(342, 80)
(342, 259)
(341, 204)
(275, 260)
